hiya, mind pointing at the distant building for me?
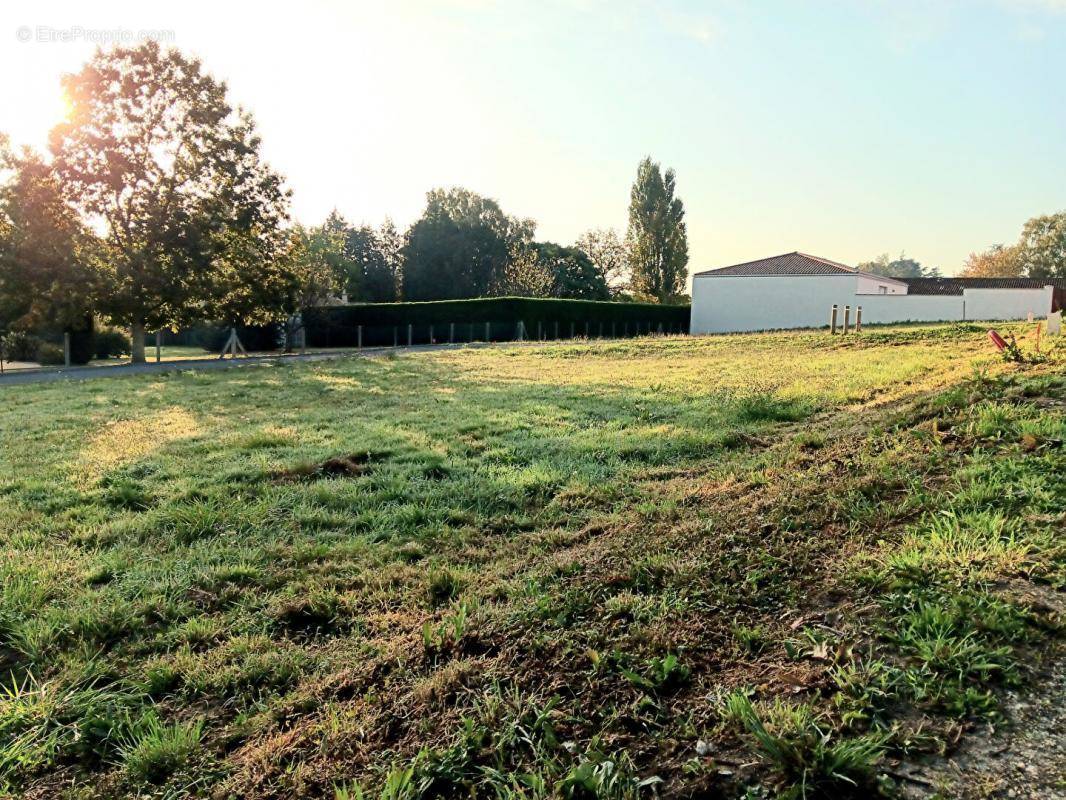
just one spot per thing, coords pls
(796, 290)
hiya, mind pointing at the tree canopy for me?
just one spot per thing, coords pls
(998, 261)
(1042, 248)
(460, 247)
(49, 264)
(609, 255)
(902, 267)
(191, 215)
(1040, 252)
(657, 237)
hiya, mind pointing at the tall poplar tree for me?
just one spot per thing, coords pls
(657, 238)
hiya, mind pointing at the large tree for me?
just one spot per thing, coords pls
(1042, 249)
(657, 237)
(49, 266)
(191, 215)
(998, 261)
(460, 247)
(374, 256)
(608, 253)
(571, 272)
(902, 267)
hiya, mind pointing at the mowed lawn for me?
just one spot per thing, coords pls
(775, 563)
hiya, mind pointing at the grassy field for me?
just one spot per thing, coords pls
(744, 566)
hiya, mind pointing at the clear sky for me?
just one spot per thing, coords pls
(844, 129)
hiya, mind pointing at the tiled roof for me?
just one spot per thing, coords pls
(954, 286)
(787, 264)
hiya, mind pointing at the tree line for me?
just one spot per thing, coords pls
(154, 209)
(1040, 252)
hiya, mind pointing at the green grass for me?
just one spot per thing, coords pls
(522, 571)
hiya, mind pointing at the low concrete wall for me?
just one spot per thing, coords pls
(734, 304)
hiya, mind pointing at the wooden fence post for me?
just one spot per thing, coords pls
(833, 320)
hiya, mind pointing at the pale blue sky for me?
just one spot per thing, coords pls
(845, 129)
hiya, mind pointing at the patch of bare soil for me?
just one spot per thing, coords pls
(1025, 757)
(344, 466)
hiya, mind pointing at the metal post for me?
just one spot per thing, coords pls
(359, 334)
(451, 333)
(601, 331)
(66, 349)
(586, 330)
(158, 346)
(833, 320)
(488, 331)
(540, 331)
(847, 318)
(431, 335)
(613, 336)
(395, 336)
(858, 319)
(519, 332)
(410, 334)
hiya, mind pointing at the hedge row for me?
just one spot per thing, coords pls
(466, 320)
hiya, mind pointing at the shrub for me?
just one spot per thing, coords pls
(82, 341)
(112, 343)
(338, 325)
(20, 346)
(49, 354)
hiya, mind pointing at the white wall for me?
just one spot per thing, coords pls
(1008, 303)
(868, 284)
(732, 304)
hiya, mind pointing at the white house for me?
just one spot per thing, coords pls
(796, 290)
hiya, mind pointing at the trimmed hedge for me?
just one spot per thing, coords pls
(386, 323)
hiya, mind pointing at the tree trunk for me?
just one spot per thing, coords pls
(137, 343)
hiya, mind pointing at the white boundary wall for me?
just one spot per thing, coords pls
(728, 304)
